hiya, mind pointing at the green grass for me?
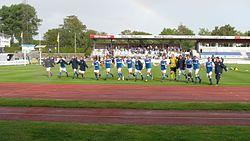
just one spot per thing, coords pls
(126, 105)
(37, 74)
(44, 131)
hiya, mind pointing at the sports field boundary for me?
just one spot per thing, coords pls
(211, 106)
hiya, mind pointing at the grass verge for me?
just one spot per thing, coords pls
(45, 131)
(125, 105)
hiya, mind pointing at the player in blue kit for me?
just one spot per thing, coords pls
(189, 68)
(119, 64)
(129, 63)
(63, 64)
(209, 68)
(96, 65)
(138, 69)
(148, 65)
(108, 63)
(163, 65)
(196, 67)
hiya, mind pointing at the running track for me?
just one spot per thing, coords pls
(118, 116)
(125, 92)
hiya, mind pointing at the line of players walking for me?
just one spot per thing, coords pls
(179, 66)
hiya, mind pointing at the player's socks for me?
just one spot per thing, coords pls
(210, 81)
(147, 77)
(164, 77)
(119, 75)
(179, 77)
(60, 74)
(142, 77)
(136, 76)
(196, 79)
(151, 77)
(217, 82)
(111, 74)
(199, 78)
(96, 76)
(75, 75)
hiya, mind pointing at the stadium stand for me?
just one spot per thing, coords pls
(248, 54)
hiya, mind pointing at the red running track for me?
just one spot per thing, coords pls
(125, 92)
(118, 116)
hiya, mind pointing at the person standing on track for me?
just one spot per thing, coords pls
(209, 68)
(63, 64)
(219, 66)
(74, 63)
(83, 65)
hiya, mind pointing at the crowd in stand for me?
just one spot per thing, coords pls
(134, 51)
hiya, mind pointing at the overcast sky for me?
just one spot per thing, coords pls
(113, 16)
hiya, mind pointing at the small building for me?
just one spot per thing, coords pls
(4, 41)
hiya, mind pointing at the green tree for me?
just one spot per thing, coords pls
(50, 37)
(180, 30)
(71, 28)
(168, 31)
(126, 32)
(19, 19)
(247, 33)
(226, 30)
(204, 31)
(184, 30)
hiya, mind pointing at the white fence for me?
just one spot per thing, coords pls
(13, 63)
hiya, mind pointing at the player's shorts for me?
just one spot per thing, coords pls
(149, 70)
(173, 69)
(81, 72)
(196, 71)
(63, 69)
(190, 70)
(164, 71)
(108, 70)
(75, 70)
(130, 70)
(96, 71)
(48, 69)
(137, 71)
(119, 69)
(209, 73)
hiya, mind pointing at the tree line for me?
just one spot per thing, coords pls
(21, 22)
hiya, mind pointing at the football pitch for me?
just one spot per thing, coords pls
(25, 123)
(37, 74)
